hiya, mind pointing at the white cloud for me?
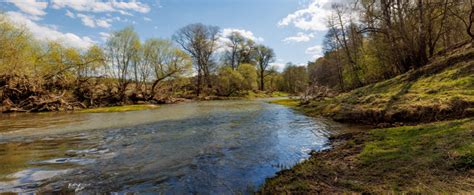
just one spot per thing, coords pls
(70, 14)
(104, 23)
(223, 40)
(92, 22)
(315, 51)
(313, 17)
(132, 5)
(245, 33)
(47, 33)
(87, 20)
(121, 7)
(31, 7)
(300, 37)
(146, 18)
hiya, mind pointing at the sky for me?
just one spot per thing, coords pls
(293, 28)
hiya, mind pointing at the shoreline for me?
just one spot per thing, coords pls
(145, 105)
(385, 160)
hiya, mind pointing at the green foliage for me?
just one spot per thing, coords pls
(18, 50)
(295, 79)
(249, 73)
(229, 81)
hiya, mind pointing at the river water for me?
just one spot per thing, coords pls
(214, 147)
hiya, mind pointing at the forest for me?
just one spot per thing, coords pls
(370, 41)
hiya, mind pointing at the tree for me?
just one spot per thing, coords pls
(230, 81)
(263, 56)
(232, 55)
(249, 73)
(91, 61)
(18, 51)
(122, 47)
(464, 11)
(273, 80)
(200, 41)
(294, 78)
(160, 60)
(247, 52)
(343, 31)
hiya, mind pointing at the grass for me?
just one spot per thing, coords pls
(120, 108)
(435, 157)
(252, 94)
(442, 89)
(426, 157)
(287, 102)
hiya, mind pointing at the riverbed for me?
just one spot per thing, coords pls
(213, 147)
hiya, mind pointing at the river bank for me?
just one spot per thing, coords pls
(434, 157)
(423, 140)
(60, 105)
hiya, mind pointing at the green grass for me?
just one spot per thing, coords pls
(287, 102)
(252, 94)
(120, 108)
(430, 158)
(447, 144)
(420, 158)
(438, 87)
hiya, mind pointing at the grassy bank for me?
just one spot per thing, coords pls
(436, 157)
(252, 95)
(444, 89)
(120, 108)
(428, 157)
(293, 103)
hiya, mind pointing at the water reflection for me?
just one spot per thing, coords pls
(206, 147)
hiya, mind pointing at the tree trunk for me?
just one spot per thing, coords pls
(422, 57)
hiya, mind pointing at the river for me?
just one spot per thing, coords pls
(213, 147)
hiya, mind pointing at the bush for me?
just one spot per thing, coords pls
(249, 74)
(229, 81)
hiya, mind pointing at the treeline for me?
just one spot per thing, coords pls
(373, 40)
(195, 62)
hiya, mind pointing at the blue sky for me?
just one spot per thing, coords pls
(293, 28)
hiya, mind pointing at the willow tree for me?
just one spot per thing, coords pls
(121, 49)
(161, 61)
(18, 50)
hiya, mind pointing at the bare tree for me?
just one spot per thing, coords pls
(344, 33)
(122, 47)
(264, 56)
(232, 56)
(464, 11)
(200, 41)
